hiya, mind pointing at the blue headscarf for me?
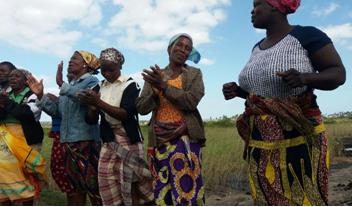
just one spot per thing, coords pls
(194, 55)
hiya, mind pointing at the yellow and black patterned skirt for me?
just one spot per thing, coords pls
(283, 168)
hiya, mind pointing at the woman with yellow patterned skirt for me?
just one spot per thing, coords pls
(22, 168)
(282, 126)
(176, 132)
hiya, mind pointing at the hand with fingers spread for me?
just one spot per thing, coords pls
(59, 78)
(155, 78)
(36, 86)
(293, 78)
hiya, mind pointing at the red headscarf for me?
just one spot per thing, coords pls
(285, 6)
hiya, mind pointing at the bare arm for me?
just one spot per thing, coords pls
(332, 72)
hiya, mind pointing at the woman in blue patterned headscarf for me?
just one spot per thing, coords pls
(176, 132)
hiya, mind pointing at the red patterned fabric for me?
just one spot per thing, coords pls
(293, 110)
(285, 6)
(287, 174)
(57, 165)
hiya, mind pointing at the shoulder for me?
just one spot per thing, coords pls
(88, 77)
(131, 85)
(306, 31)
(192, 71)
(257, 44)
(311, 38)
(87, 80)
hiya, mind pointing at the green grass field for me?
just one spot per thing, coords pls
(222, 162)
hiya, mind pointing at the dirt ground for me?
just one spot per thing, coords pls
(340, 188)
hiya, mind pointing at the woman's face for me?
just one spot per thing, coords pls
(70, 77)
(261, 14)
(4, 73)
(180, 50)
(17, 80)
(77, 66)
(111, 71)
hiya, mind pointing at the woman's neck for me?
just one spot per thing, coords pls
(278, 29)
(176, 68)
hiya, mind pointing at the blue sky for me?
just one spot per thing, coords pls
(36, 35)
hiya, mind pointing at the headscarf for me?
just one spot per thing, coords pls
(112, 55)
(194, 55)
(91, 60)
(285, 6)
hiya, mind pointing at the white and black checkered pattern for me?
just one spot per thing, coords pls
(259, 74)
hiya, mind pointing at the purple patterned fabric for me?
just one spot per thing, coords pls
(179, 174)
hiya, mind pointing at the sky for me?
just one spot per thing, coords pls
(37, 35)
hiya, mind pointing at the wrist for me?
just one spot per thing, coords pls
(59, 83)
(98, 103)
(163, 86)
(242, 93)
(40, 95)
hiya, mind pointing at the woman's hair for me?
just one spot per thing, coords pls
(9, 65)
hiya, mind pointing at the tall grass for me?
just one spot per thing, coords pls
(222, 158)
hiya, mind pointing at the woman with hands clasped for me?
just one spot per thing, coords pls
(81, 140)
(285, 138)
(176, 132)
(124, 178)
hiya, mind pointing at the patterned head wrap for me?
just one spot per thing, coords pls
(91, 60)
(285, 6)
(194, 55)
(112, 55)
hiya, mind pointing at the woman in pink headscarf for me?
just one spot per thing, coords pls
(282, 127)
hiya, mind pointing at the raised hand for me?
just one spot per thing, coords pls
(293, 78)
(59, 78)
(36, 86)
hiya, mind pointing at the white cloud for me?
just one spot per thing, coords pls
(259, 31)
(325, 11)
(206, 61)
(42, 25)
(147, 25)
(49, 83)
(341, 34)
